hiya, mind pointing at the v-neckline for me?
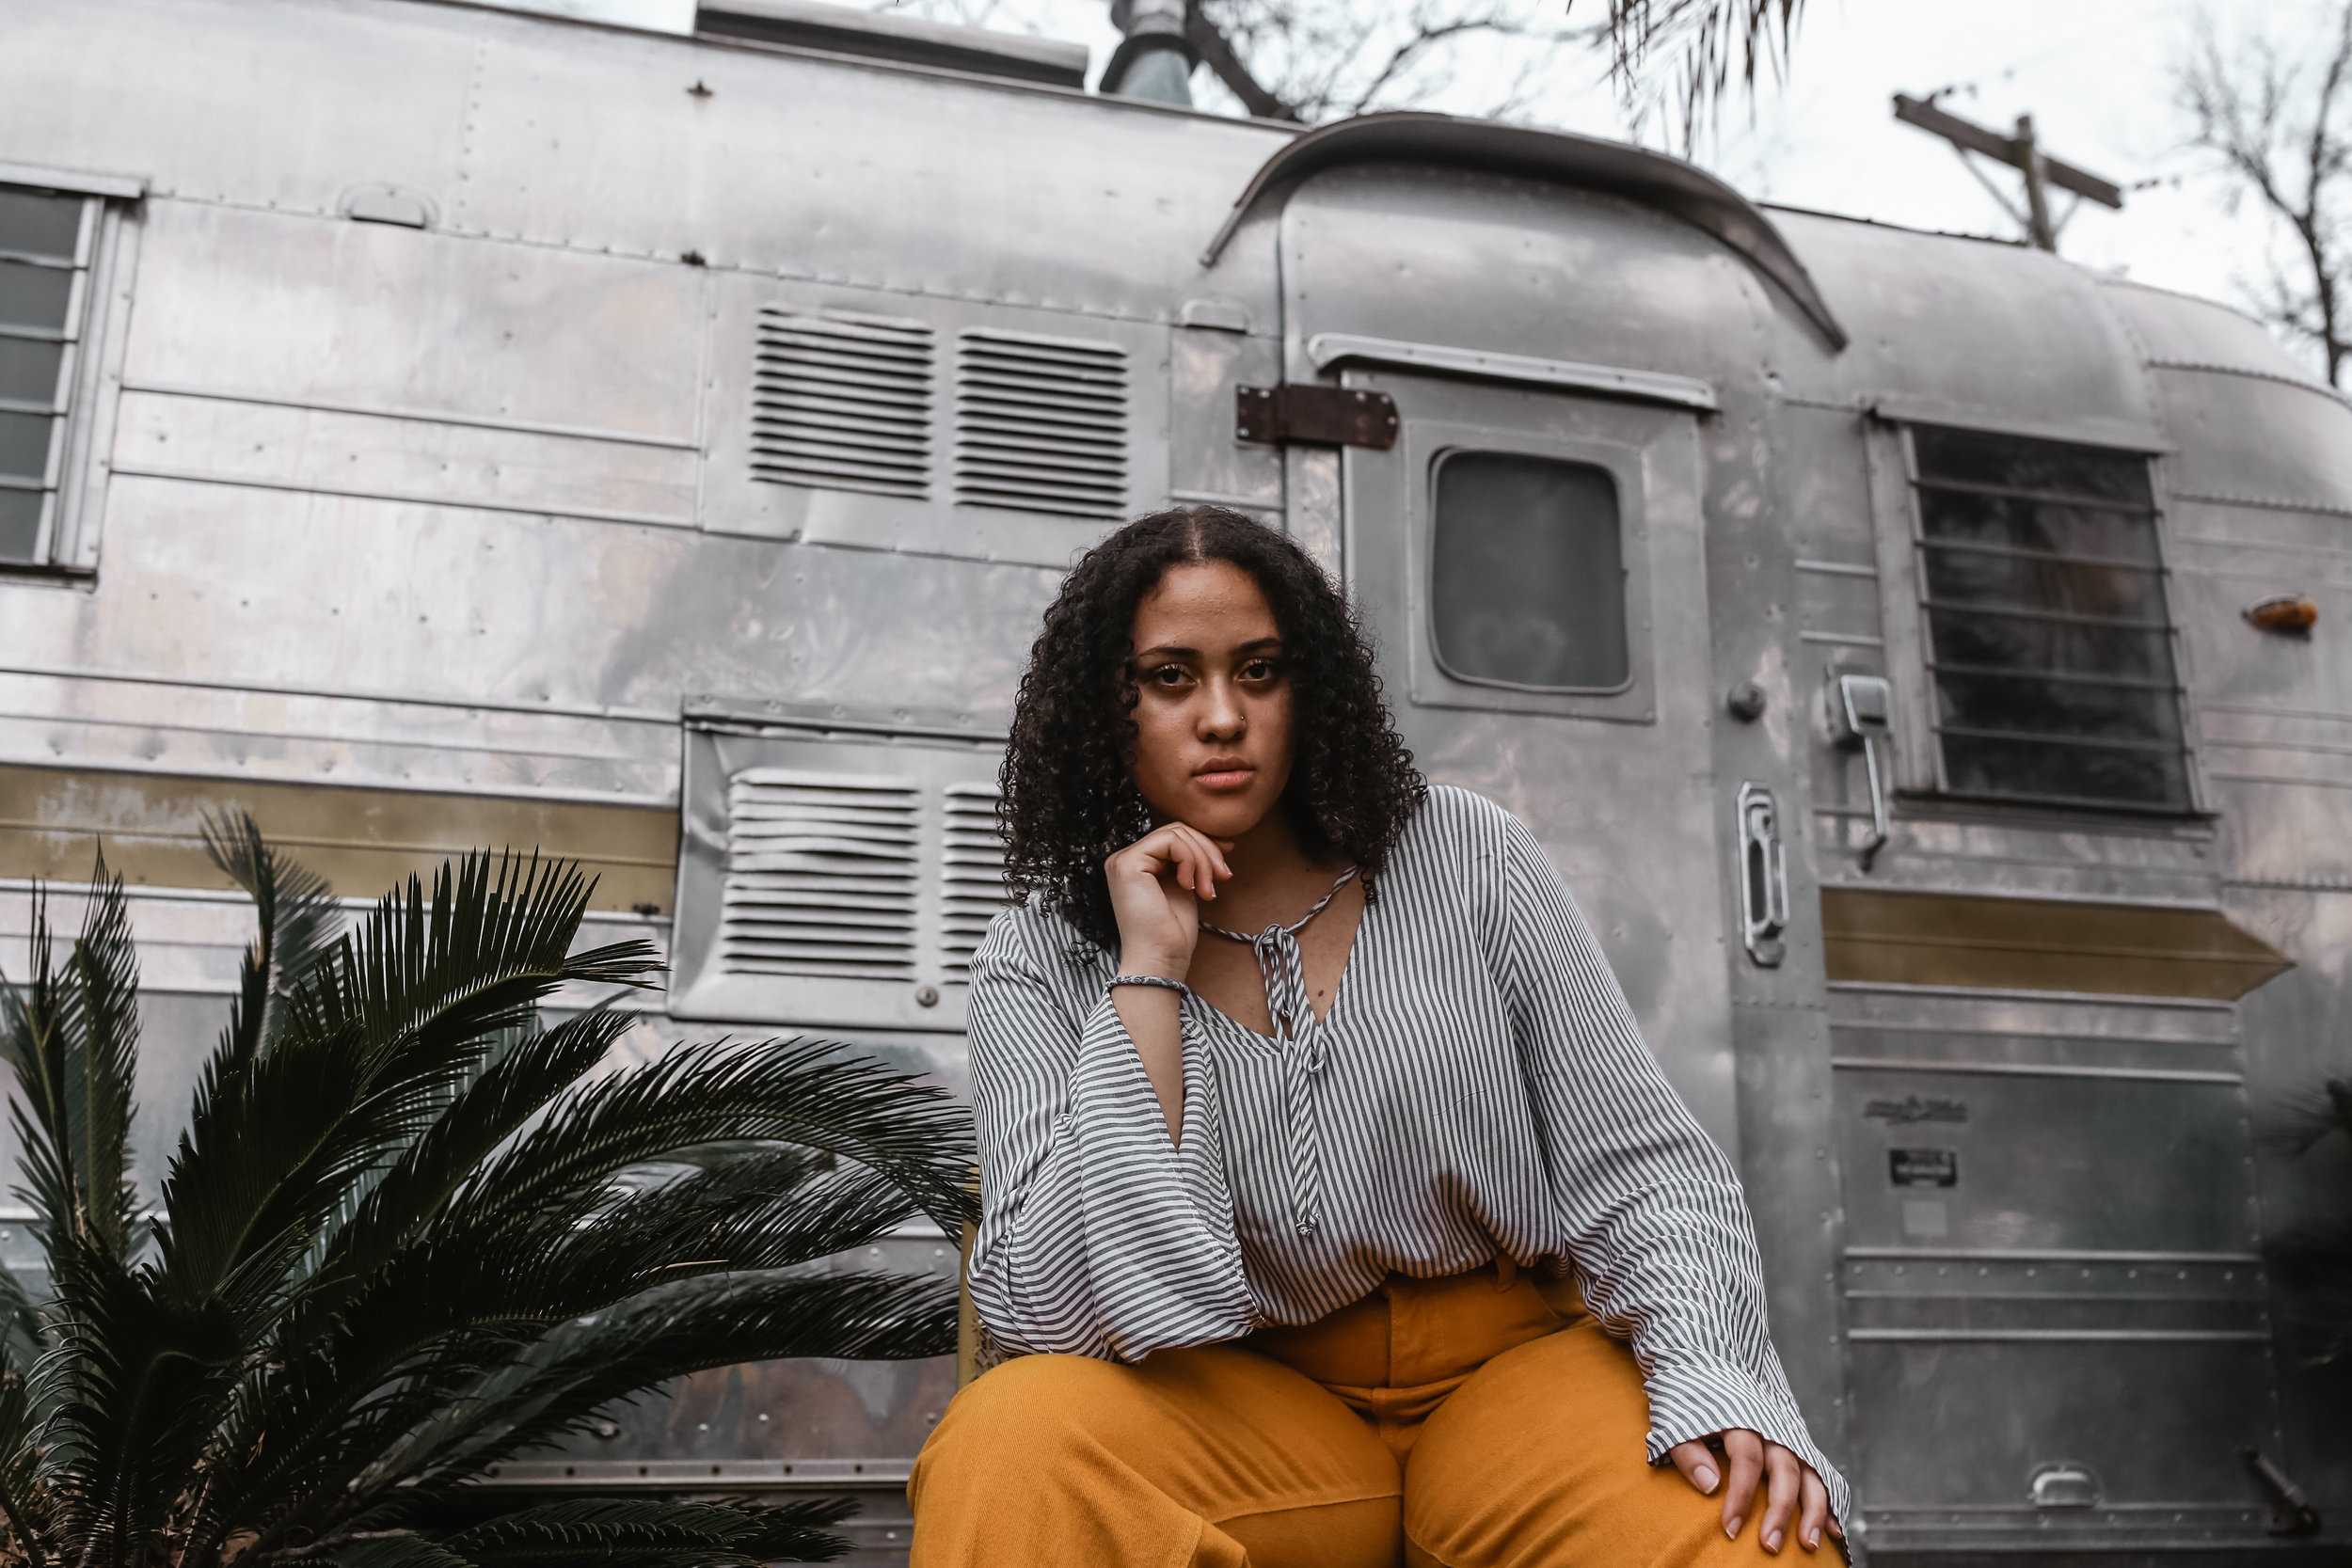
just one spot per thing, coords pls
(1338, 990)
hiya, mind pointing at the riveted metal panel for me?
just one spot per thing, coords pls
(235, 303)
(1205, 463)
(2076, 1158)
(1490, 263)
(1091, 206)
(2259, 442)
(1968, 331)
(196, 132)
(2052, 1265)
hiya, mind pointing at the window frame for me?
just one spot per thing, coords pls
(1899, 530)
(97, 322)
(1428, 443)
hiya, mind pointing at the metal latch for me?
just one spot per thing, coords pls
(2063, 1485)
(1763, 877)
(1303, 411)
(1858, 708)
(2290, 1512)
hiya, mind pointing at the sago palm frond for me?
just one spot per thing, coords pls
(1706, 41)
(615, 1531)
(71, 1038)
(587, 1369)
(406, 1236)
(462, 1302)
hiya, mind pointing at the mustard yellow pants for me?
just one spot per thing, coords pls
(1476, 1421)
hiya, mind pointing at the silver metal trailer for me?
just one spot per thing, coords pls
(430, 425)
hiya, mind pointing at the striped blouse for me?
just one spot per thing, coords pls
(1478, 1085)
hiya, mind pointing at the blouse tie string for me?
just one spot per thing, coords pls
(1301, 1040)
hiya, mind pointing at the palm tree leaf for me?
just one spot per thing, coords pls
(1709, 36)
(363, 1367)
(296, 916)
(382, 1031)
(609, 1522)
(603, 1530)
(130, 1374)
(26, 1508)
(101, 1028)
(400, 1549)
(417, 1185)
(312, 1271)
(581, 1372)
(72, 1038)
(796, 1091)
(371, 1045)
(442, 1316)
(22, 1331)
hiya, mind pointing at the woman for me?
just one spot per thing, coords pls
(1297, 1063)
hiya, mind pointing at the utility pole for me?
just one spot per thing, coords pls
(2021, 152)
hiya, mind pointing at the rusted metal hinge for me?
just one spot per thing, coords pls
(1329, 416)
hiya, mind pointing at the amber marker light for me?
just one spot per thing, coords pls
(2283, 612)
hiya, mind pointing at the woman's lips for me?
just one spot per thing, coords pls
(1237, 778)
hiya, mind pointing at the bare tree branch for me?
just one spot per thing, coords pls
(1324, 59)
(2246, 110)
(1314, 60)
(1218, 55)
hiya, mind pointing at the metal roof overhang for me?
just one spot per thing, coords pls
(1653, 179)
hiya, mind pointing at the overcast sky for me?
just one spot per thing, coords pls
(2096, 74)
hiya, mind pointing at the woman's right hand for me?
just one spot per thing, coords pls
(1156, 885)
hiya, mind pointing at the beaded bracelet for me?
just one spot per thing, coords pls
(1152, 980)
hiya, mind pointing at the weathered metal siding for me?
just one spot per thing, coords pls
(2093, 1270)
(456, 522)
(2262, 496)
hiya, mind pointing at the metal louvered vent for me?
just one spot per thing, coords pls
(821, 875)
(971, 875)
(842, 400)
(1041, 424)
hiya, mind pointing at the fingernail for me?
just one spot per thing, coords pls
(1732, 1528)
(1812, 1540)
(1771, 1541)
(1707, 1478)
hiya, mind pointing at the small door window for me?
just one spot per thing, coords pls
(1528, 573)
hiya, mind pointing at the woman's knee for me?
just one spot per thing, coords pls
(1030, 1401)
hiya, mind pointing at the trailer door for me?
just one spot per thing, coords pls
(1529, 561)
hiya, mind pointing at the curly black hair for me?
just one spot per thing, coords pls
(1067, 792)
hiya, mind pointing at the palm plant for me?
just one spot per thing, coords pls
(408, 1234)
(1707, 39)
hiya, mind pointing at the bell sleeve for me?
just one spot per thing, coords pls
(1655, 1221)
(1099, 1236)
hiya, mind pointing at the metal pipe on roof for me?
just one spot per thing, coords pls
(1154, 57)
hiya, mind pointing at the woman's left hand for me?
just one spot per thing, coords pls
(1790, 1485)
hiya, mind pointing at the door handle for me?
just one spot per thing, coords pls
(1859, 703)
(1763, 877)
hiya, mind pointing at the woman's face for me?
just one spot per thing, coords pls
(1212, 688)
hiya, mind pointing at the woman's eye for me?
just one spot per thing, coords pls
(1271, 668)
